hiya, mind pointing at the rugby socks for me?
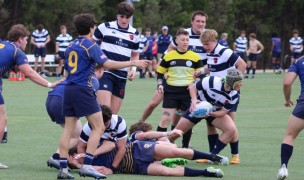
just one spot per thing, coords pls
(201, 155)
(88, 159)
(63, 163)
(274, 67)
(219, 145)
(253, 71)
(234, 147)
(195, 172)
(56, 156)
(248, 70)
(160, 129)
(212, 138)
(186, 138)
(286, 152)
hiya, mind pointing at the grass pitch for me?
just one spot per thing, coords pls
(261, 121)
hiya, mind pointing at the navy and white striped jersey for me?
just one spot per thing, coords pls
(220, 60)
(297, 43)
(212, 89)
(64, 41)
(241, 44)
(117, 44)
(40, 37)
(116, 131)
(142, 43)
(132, 137)
(195, 45)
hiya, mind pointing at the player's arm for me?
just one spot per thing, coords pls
(193, 94)
(48, 39)
(272, 47)
(287, 86)
(81, 147)
(121, 149)
(134, 57)
(261, 47)
(234, 47)
(106, 146)
(33, 41)
(218, 114)
(241, 65)
(156, 135)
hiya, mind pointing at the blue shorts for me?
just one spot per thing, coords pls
(40, 52)
(113, 84)
(295, 55)
(276, 54)
(252, 57)
(194, 120)
(54, 108)
(61, 55)
(79, 101)
(104, 159)
(143, 155)
(298, 110)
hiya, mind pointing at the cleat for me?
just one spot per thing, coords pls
(64, 175)
(4, 139)
(91, 172)
(53, 163)
(2, 166)
(172, 162)
(217, 159)
(203, 161)
(246, 77)
(283, 173)
(235, 159)
(212, 172)
(252, 77)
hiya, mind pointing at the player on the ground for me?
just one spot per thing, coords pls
(11, 53)
(222, 93)
(120, 42)
(81, 58)
(296, 119)
(220, 60)
(179, 64)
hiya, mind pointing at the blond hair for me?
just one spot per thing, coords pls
(208, 35)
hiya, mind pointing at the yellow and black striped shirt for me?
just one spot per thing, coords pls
(180, 67)
(126, 165)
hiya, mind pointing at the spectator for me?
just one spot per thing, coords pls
(240, 45)
(296, 45)
(223, 41)
(40, 38)
(276, 53)
(163, 42)
(148, 53)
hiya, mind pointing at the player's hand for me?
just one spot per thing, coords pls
(196, 74)
(160, 89)
(132, 75)
(176, 132)
(141, 63)
(288, 103)
(54, 84)
(78, 156)
(103, 170)
(193, 104)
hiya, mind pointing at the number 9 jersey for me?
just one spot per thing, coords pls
(80, 61)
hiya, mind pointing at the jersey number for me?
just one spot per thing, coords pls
(73, 61)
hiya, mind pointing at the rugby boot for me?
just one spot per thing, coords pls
(64, 175)
(176, 161)
(283, 173)
(212, 172)
(91, 172)
(235, 159)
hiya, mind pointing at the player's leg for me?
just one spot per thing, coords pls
(253, 68)
(249, 62)
(234, 144)
(166, 119)
(59, 68)
(43, 54)
(157, 169)
(3, 117)
(227, 126)
(183, 125)
(36, 63)
(104, 93)
(154, 102)
(118, 94)
(212, 136)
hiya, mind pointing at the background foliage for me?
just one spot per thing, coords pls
(262, 17)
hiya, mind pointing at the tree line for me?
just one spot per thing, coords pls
(262, 17)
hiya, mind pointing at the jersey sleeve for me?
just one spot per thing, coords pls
(122, 130)
(233, 57)
(85, 133)
(163, 66)
(136, 43)
(98, 32)
(20, 57)
(199, 85)
(97, 54)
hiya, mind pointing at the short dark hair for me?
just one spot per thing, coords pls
(17, 31)
(106, 113)
(40, 27)
(253, 35)
(181, 31)
(140, 126)
(201, 13)
(295, 31)
(124, 8)
(83, 23)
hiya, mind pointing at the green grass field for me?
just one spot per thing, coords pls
(261, 121)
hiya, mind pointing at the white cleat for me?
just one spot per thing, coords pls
(2, 166)
(283, 173)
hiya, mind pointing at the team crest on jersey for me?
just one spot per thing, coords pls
(215, 60)
(131, 36)
(189, 63)
(147, 146)
(172, 63)
(2, 46)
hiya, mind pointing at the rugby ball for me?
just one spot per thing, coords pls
(95, 83)
(202, 109)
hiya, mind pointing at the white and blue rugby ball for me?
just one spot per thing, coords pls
(202, 109)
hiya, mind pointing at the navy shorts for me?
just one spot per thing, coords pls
(298, 110)
(79, 101)
(143, 155)
(40, 52)
(54, 108)
(242, 55)
(1, 97)
(252, 57)
(61, 55)
(195, 120)
(113, 84)
(295, 55)
(276, 54)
